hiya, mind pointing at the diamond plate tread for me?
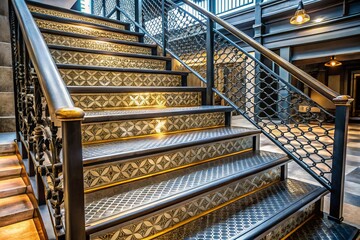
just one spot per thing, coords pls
(50, 10)
(87, 57)
(141, 113)
(116, 150)
(95, 44)
(180, 184)
(321, 228)
(236, 219)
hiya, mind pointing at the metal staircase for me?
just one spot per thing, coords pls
(121, 148)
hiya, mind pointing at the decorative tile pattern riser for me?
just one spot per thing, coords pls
(290, 223)
(75, 77)
(92, 59)
(93, 132)
(151, 225)
(98, 176)
(59, 40)
(74, 17)
(121, 100)
(69, 28)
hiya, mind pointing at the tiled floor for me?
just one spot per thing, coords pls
(352, 180)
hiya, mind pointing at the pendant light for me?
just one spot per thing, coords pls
(333, 62)
(300, 15)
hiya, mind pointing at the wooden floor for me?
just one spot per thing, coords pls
(352, 179)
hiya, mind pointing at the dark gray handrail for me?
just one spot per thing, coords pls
(292, 69)
(57, 96)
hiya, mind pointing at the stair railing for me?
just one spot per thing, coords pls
(231, 65)
(48, 126)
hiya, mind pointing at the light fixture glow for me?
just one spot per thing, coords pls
(333, 62)
(300, 16)
(318, 20)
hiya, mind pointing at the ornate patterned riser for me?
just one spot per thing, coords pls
(106, 131)
(102, 60)
(90, 101)
(78, 77)
(60, 40)
(167, 218)
(70, 28)
(109, 174)
(291, 223)
(77, 17)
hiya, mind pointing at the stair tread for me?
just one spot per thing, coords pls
(87, 37)
(136, 113)
(74, 12)
(320, 227)
(100, 52)
(24, 230)
(14, 205)
(169, 188)
(238, 218)
(140, 70)
(115, 150)
(12, 186)
(9, 165)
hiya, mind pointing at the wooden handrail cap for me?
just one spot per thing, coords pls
(70, 114)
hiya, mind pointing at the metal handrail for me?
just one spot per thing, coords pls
(57, 96)
(292, 69)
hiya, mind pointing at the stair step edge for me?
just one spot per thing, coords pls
(139, 114)
(11, 187)
(100, 52)
(83, 23)
(281, 216)
(131, 89)
(77, 35)
(158, 149)
(70, 11)
(137, 70)
(15, 208)
(179, 197)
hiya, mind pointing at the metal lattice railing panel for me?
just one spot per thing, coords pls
(288, 116)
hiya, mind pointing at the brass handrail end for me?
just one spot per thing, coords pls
(343, 100)
(70, 114)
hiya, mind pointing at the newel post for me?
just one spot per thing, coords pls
(73, 176)
(342, 104)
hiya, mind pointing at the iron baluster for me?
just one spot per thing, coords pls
(210, 78)
(164, 25)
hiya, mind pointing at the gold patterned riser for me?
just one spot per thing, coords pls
(70, 28)
(99, 101)
(110, 174)
(77, 17)
(103, 60)
(166, 219)
(79, 77)
(60, 40)
(106, 131)
(289, 224)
